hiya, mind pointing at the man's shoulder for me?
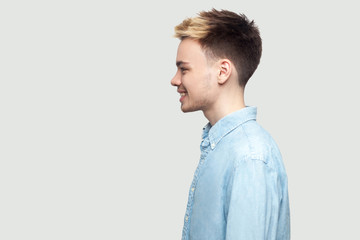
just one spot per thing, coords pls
(250, 141)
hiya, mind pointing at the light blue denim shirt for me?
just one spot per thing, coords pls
(239, 190)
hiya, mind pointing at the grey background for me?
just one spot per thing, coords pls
(93, 142)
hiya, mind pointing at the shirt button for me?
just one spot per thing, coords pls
(193, 189)
(212, 145)
(187, 218)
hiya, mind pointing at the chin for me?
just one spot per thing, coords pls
(188, 109)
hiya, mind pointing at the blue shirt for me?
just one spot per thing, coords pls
(239, 190)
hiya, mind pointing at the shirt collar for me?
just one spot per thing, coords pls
(227, 124)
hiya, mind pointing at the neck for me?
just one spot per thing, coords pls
(224, 106)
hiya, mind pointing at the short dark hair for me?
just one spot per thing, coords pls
(225, 34)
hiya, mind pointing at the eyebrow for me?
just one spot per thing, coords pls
(179, 63)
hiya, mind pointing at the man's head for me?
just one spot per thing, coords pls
(224, 34)
(218, 53)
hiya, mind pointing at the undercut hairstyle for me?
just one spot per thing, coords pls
(225, 34)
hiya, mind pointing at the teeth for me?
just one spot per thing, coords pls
(182, 94)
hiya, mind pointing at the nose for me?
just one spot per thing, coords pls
(176, 80)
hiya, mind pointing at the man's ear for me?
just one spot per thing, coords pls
(225, 69)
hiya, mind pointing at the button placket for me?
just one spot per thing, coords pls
(204, 153)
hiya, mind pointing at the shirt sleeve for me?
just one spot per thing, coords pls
(253, 202)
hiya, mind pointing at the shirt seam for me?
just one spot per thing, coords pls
(231, 130)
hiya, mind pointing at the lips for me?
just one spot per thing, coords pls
(182, 96)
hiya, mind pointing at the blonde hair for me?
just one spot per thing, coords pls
(195, 28)
(225, 34)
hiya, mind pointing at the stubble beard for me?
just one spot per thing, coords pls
(190, 105)
(193, 106)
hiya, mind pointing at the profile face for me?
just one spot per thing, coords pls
(194, 78)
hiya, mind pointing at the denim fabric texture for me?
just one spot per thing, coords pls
(239, 190)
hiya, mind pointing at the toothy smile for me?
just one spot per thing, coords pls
(182, 96)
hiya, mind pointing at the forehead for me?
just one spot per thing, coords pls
(190, 51)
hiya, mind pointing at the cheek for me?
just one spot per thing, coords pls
(209, 81)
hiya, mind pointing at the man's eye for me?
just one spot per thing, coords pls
(183, 70)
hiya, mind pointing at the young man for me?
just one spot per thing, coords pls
(239, 190)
